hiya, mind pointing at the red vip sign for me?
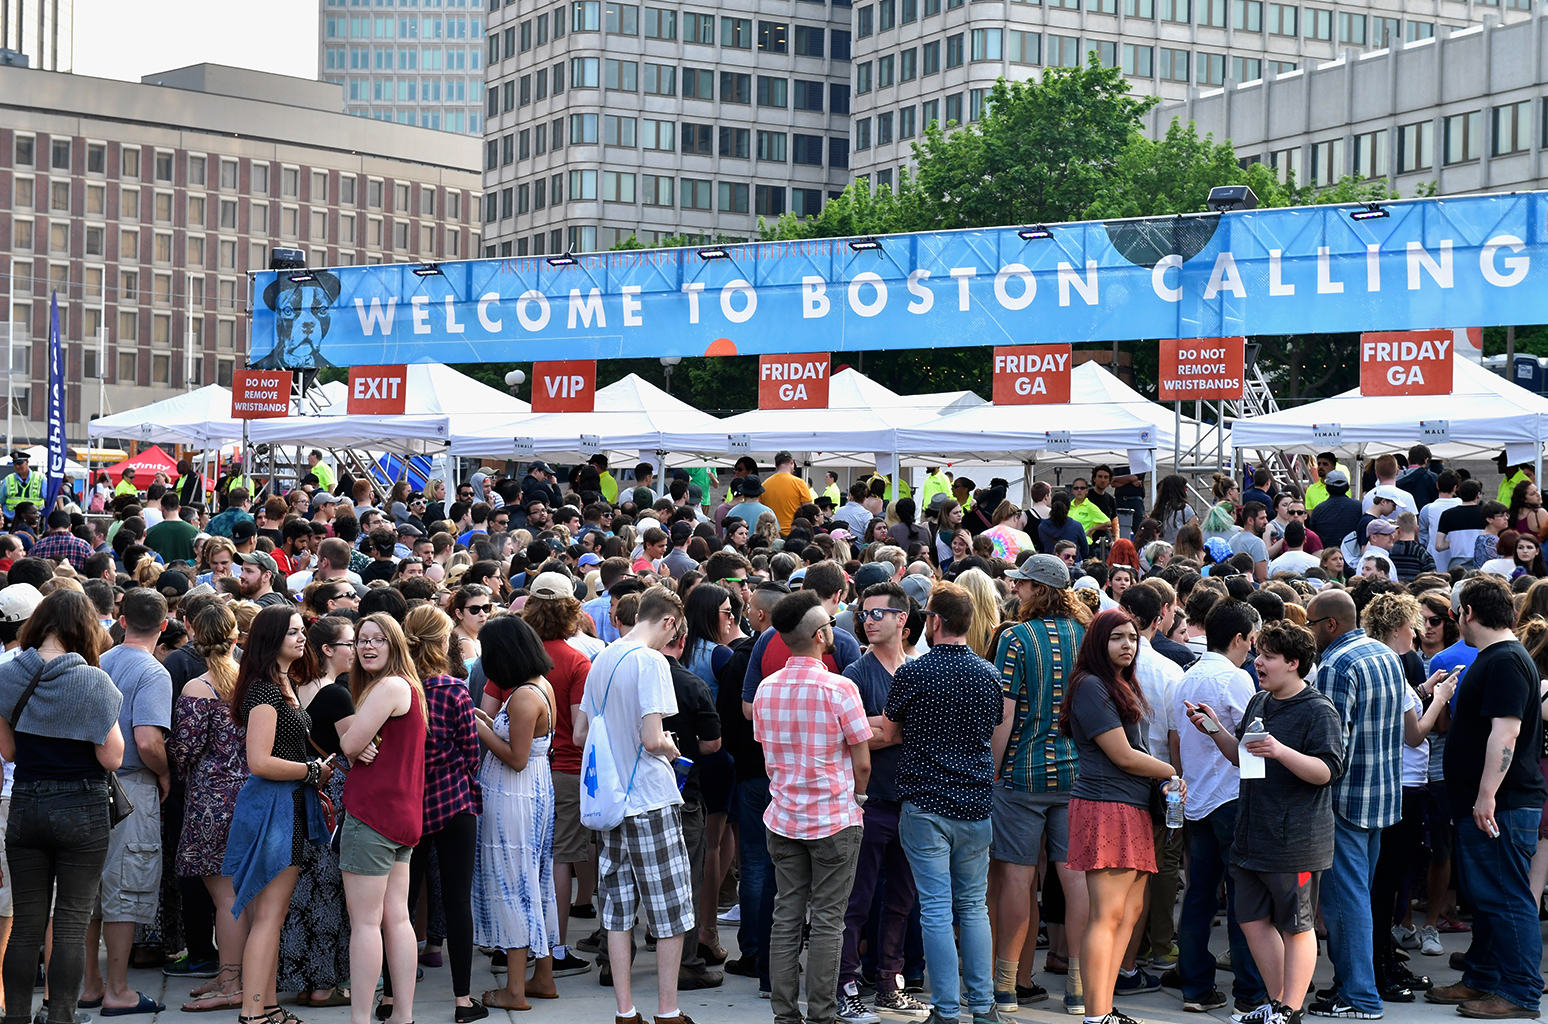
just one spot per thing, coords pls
(260, 394)
(797, 381)
(1406, 362)
(1032, 375)
(568, 385)
(378, 390)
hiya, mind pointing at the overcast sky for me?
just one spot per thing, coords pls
(131, 38)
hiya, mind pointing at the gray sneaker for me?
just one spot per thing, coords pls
(936, 1018)
(992, 1015)
(903, 1004)
(851, 1010)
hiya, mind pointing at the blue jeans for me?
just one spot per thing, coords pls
(1209, 850)
(950, 860)
(756, 888)
(1507, 949)
(1346, 910)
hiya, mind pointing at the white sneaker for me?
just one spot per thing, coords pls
(1406, 938)
(851, 1010)
(1429, 941)
(732, 916)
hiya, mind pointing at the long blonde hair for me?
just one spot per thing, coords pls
(986, 609)
(429, 633)
(399, 663)
(213, 637)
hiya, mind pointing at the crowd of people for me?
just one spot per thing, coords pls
(269, 740)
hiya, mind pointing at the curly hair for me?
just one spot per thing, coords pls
(1048, 603)
(553, 618)
(1387, 614)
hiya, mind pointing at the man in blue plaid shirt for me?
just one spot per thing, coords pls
(1364, 679)
(61, 543)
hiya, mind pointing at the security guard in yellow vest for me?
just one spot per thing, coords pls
(22, 485)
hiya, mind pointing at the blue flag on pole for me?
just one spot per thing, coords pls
(56, 411)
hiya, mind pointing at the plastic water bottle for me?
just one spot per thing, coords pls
(1252, 766)
(1174, 804)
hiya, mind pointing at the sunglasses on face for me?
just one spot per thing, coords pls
(476, 609)
(1434, 620)
(1298, 511)
(878, 614)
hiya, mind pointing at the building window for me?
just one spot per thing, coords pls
(931, 57)
(885, 75)
(622, 75)
(736, 33)
(1025, 47)
(1464, 137)
(660, 80)
(1416, 147)
(583, 185)
(660, 24)
(1282, 19)
(623, 19)
(930, 112)
(1319, 23)
(862, 78)
(1327, 162)
(61, 155)
(695, 193)
(772, 92)
(1064, 51)
(699, 28)
(656, 190)
(884, 126)
(906, 122)
(1385, 31)
(769, 200)
(1176, 10)
(1370, 155)
(1351, 29)
(129, 163)
(953, 109)
(954, 50)
(698, 138)
(1211, 68)
(1418, 30)
(809, 41)
(583, 129)
(698, 84)
(806, 202)
(1139, 61)
(886, 15)
(586, 16)
(659, 135)
(908, 65)
(1247, 15)
(806, 149)
(865, 22)
(773, 37)
(617, 187)
(1512, 128)
(809, 95)
(584, 72)
(862, 133)
(733, 197)
(618, 131)
(735, 88)
(771, 146)
(840, 45)
(734, 142)
(987, 44)
(25, 148)
(838, 98)
(1173, 65)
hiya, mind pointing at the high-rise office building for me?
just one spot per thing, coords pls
(43, 31)
(418, 62)
(918, 61)
(607, 119)
(144, 206)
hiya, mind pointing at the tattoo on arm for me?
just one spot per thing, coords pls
(1505, 756)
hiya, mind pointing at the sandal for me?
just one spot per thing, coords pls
(280, 1015)
(214, 1001)
(214, 984)
(339, 996)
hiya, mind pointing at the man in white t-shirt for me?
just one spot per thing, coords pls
(644, 861)
(1294, 558)
(1429, 516)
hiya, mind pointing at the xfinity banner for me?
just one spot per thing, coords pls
(1413, 265)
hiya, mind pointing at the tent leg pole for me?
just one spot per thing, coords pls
(1176, 440)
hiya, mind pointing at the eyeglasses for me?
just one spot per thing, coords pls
(740, 581)
(1325, 618)
(1298, 511)
(371, 641)
(341, 643)
(1434, 620)
(476, 609)
(878, 614)
(818, 632)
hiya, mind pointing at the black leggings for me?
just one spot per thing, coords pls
(454, 848)
(1402, 846)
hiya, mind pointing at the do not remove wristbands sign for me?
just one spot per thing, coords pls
(1201, 369)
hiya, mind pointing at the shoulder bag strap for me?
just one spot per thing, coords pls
(25, 697)
(639, 751)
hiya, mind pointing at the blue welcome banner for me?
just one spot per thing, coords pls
(1426, 263)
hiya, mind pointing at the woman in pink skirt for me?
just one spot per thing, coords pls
(1110, 829)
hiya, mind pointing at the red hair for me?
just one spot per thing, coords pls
(1092, 660)
(1123, 553)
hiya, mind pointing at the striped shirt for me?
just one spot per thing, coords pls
(1364, 680)
(1035, 666)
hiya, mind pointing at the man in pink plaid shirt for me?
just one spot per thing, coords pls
(814, 732)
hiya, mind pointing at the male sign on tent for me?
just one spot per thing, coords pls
(1406, 362)
(1201, 369)
(377, 390)
(1032, 375)
(568, 385)
(794, 381)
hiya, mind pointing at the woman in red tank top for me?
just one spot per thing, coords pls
(384, 812)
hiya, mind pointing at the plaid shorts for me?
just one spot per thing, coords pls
(644, 857)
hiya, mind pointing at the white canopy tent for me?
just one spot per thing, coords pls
(629, 416)
(1483, 413)
(856, 429)
(197, 418)
(436, 396)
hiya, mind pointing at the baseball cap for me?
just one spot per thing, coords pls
(680, 533)
(783, 456)
(1336, 478)
(1049, 570)
(244, 529)
(198, 590)
(262, 559)
(407, 529)
(551, 586)
(173, 583)
(918, 586)
(870, 574)
(1389, 492)
(324, 498)
(538, 465)
(18, 601)
(589, 558)
(1381, 526)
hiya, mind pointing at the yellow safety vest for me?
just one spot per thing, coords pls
(18, 490)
